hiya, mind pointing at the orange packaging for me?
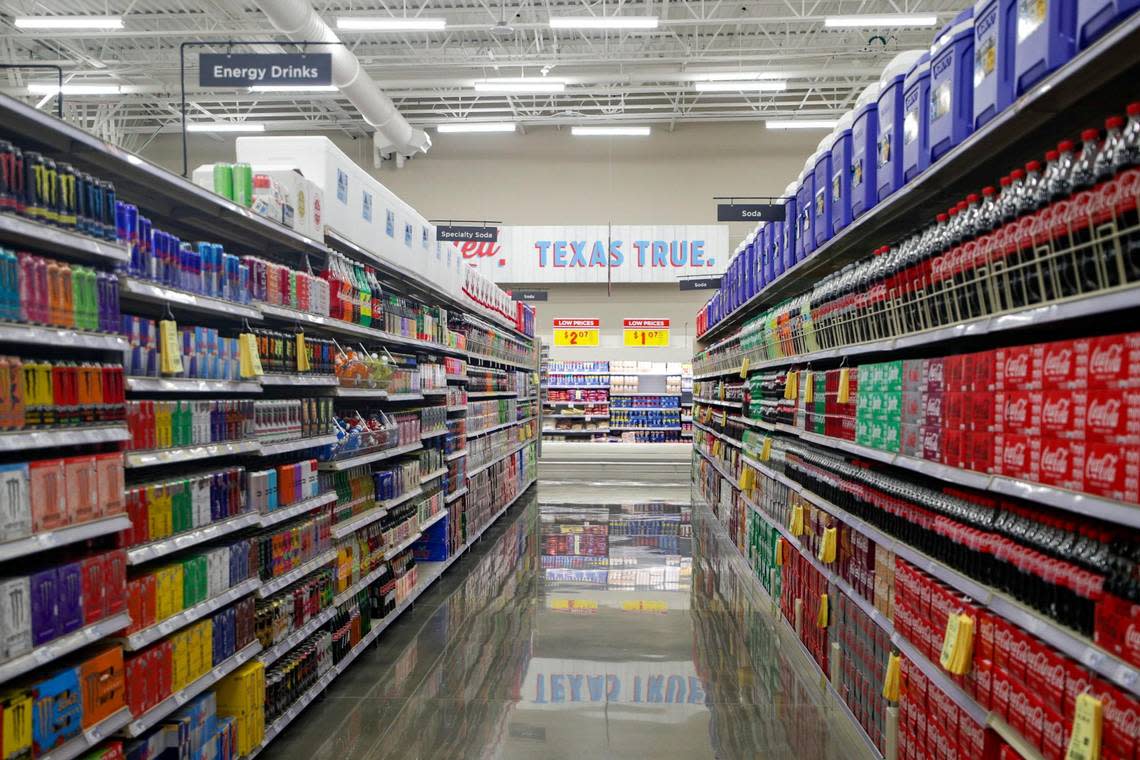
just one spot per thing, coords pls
(82, 479)
(111, 484)
(48, 494)
(102, 684)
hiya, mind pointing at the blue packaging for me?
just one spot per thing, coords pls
(863, 165)
(821, 208)
(839, 184)
(751, 273)
(57, 710)
(1046, 38)
(889, 132)
(805, 202)
(773, 239)
(951, 84)
(1095, 17)
(994, 23)
(916, 119)
(789, 226)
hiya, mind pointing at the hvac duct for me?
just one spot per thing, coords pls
(299, 21)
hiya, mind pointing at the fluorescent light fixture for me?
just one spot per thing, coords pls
(477, 126)
(609, 131)
(390, 24)
(603, 22)
(75, 89)
(735, 76)
(293, 88)
(801, 123)
(872, 21)
(520, 86)
(68, 22)
(225, 126)
(753, 85)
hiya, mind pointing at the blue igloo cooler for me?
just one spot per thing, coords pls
(889, 139)
(1095, 17)
(821, 204)
(863, 168)
(952, 84)
(774, 240)
(839, 185)
(916, 121)
(805, 202)
(788, 244)
(1046, 38)
(994, 22)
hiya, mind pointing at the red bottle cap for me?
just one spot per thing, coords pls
(1018, 173)
(989, 190)
(973, 198)
(1065, 146)
(941, 217)
(1090, 134)
(1005, 181)
(1051, 155)
(952, 211)
(1034, 166)
(1114, 122)
(1133, 109)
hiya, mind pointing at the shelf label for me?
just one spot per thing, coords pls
(647, 333)
(577, 332)
(1088, 727)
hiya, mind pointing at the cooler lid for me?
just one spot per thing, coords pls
(962, 24)
(790, 190)
(869, 96)
(921, 67)
(899, 66)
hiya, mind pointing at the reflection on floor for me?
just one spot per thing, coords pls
(592, 630)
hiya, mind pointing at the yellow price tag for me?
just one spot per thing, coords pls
(809, 388)
(827, 547)
(779, 558)
(766, 449)
(302, 354)
(170, 353)
(744, 368)
(647, 338)
(797, 526)
(821, 616)
(844, 385)
(249, 359)
(1088, 729)
(579, 337)
(893, 679)
(949, 640)
(747, 478)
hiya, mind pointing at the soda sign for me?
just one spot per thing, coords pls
(638, 333)
(576, 331)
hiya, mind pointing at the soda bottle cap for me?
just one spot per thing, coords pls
(941, 217)
(952, 211)
(1005, 181)
(973, 198)
(1133, 109)
(1090, 134)
(1017, 174)
(1033, 166)
(1065, 146)
(962, 206)
(989, 190)
(1114, 122)
(1051, 155)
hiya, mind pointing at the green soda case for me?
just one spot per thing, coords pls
(243, 185)
(224, 180)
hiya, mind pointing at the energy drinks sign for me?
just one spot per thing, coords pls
(250, 69)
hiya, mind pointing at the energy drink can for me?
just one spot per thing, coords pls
(49, 191)
(68, 211)
(243, 184)
(7, 176)
(33, 180)
(224, 180)
(109, 205)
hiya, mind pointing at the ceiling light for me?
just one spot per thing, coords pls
(485, 126)
(735, 76)
(75, 89)
(801, 123)
(517, 86)
(754, 85)
(871, 21)
(610, 131)
(68, 22)
(603, 22)
(225, 126)
(293, 88)
(390, 24)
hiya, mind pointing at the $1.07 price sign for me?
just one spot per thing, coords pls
(576, 332)
(653, 333)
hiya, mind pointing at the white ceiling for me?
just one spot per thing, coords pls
(629, 77)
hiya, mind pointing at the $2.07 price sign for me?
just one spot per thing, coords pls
(652, 333)
(576, 332)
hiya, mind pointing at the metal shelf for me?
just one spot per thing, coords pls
(480, 468)
(61, 646)
(491, 394)
(388, 553)
(297, 444)
(71, 534)
(190, 385)
(620, 427)
(433, 520)
(719, 402)
(171, 544)
(38, 236)
(346, 595)
(338, 465)
(293, 510)
(1062, 103)
(459, 408)
(305, 380)
(578, 387)
(433, 475)
(79, 745)
(273, 585)
(132, 289)
(456, 455)
(23, 440)
(189, 453)
(497, 360)
(152, 716)
(557, 431)
(453, 496)
(60, 337)
(433, 434)
(271, 655)
(142, 638)
(491, 429)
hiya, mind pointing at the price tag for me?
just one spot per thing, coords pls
(821, 616)
(581, 337)
(950, 640)
(170, 353)
(766, 449)
(844, 385)
(892, 680)
(645, 333)
(809, 388)
(744, 368)
(302, 353)
(1088, 728)
(250, 360)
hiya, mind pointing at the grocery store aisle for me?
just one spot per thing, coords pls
(582, 627)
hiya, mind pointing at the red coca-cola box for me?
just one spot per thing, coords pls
(983, 674)
(1018, 412)
(1055, 732)
(1017, 456)
(1077, 681)
(979, 452)
(1113, 471)
(1121, 718)
(1062, 413)
(1045, 674)
(1112, 415)
(935, 380)
(981, 411)
(1117, 628)
(1062, 463)
(1065, 364)
(1017, 368)
(1034, 717)
(1114, 361)
(954, 373)
(1000, 687)
(982, 371)
(954, 410)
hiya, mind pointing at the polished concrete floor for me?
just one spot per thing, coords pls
(592, 621)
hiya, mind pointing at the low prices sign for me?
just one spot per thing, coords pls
(646, 332)
(577, 332)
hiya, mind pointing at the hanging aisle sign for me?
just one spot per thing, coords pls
(248, 69)
(651, 333)
(451, 233)
(576, 332)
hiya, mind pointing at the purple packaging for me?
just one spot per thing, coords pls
(931, 443)
(44, 590)
(69, 605)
